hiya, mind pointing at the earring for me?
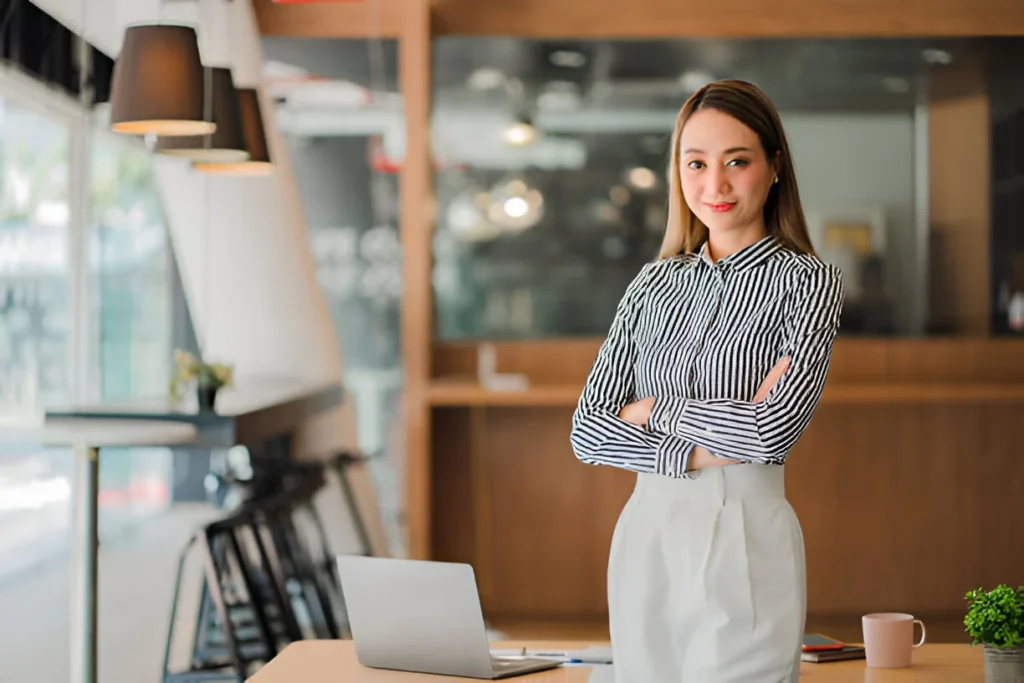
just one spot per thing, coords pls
(775, 180)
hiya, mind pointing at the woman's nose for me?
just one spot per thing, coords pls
(718, 180)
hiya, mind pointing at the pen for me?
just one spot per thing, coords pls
(523, 652)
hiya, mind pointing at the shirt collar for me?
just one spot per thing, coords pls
(747, 257)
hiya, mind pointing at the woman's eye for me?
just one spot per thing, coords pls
(696, 165)
(737, 162)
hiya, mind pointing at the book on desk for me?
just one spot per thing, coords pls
(819, 648)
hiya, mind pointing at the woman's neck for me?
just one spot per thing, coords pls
(721, 246)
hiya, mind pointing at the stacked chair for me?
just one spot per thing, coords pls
(268, 575)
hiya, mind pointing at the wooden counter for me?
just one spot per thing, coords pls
(906, 482)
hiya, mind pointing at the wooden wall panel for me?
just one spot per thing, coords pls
(907, 508)
(959, 203)
(677, 18)
(854, 360)
(653, 18)
(415, 228)
(902, 508)
(369, 19)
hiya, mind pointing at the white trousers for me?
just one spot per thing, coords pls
(706, 580)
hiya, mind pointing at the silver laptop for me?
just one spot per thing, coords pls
(413, 615)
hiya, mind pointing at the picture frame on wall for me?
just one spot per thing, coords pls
(853, 239)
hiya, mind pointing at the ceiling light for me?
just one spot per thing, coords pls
(516, 207)
(520, 133)
(157, 85)
(568, 59)
(936, 56)
(695, 80)
(559, 96)
(259, 162)
(227, 143)
(642, 178)
(485, 78)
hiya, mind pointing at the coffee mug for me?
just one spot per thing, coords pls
(889, 639)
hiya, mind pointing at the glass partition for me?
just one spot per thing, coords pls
(340, 111)
(552, 157)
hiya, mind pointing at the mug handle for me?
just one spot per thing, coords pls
(920, 642)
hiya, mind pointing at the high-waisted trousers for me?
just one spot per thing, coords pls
(706, 580)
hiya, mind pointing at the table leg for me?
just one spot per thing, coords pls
(83, 571)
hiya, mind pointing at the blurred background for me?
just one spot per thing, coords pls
(545, 171)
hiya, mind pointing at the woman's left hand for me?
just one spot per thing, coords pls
(638, 412)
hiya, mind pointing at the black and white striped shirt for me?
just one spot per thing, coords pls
(700, 337)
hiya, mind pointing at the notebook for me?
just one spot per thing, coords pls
(844, 653)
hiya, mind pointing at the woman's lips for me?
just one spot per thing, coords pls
(720, 207)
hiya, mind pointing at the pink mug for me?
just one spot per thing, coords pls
(889, 639)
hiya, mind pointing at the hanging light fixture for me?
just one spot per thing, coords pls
(227, 143)
(157, 85)
(259, 162)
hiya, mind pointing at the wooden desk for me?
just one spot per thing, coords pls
(330, 661)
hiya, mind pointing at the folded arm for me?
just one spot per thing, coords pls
(599, 436)
(764, 431)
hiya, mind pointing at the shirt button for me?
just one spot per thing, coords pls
(708, 430)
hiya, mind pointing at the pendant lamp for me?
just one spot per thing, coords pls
(157, 85)
(258, 162)
(227, 143)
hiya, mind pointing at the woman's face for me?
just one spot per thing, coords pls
(724, 172)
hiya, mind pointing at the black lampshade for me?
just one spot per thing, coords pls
(157, 86)
(255, 141)
(227, 143)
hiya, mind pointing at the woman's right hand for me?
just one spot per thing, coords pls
(774, 375)
(701, 457)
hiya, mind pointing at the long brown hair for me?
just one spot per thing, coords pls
(783, 214)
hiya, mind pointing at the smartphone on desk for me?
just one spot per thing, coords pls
(816, 642)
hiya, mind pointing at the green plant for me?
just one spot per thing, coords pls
(187, 367)
(996, 617)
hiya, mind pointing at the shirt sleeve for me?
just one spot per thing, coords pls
(599, 436)
(764, 432)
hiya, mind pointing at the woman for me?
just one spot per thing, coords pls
(712, 369)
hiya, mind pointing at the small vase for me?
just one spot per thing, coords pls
(1004, 664)
(207, 396)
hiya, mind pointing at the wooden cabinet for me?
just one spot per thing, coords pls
(907, 482)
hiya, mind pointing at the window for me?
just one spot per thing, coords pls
(35, 323)
(122, 347)
(130, 336)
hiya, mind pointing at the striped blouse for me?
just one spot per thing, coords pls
(700, 337)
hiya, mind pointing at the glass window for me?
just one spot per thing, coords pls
(552, 158)
(130, 314)
(35, 327)
(34, 270)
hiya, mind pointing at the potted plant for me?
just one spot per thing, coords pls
(209, 378)
(995, 619)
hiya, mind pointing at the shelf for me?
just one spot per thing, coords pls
(469, 393)
(922, 392)
(456, 392)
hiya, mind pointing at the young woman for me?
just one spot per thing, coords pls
(712, 369)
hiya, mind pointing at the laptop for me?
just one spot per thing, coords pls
(421, 616)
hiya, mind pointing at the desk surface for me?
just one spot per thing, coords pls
(330, 661)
